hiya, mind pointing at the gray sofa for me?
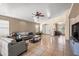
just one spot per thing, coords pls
(9, 47)
(17, 48)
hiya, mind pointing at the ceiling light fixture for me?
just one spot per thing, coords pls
(38, 14)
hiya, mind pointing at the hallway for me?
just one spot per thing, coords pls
(49, 46)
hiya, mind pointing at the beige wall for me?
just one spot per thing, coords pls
(75, 10)
(18, 25)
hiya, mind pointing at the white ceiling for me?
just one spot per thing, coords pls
(25, 10)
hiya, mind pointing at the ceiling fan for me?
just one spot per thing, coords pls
(38, 14)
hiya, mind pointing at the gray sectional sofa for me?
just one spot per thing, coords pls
(9, 47)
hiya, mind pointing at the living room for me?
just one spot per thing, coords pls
(37, 29)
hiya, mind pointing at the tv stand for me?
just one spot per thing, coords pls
(75, 46)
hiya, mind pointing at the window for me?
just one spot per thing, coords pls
(37, 28)
(4, 28)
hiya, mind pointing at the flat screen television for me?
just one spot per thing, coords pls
(75, 31)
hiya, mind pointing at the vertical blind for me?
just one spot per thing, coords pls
(4, 28)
